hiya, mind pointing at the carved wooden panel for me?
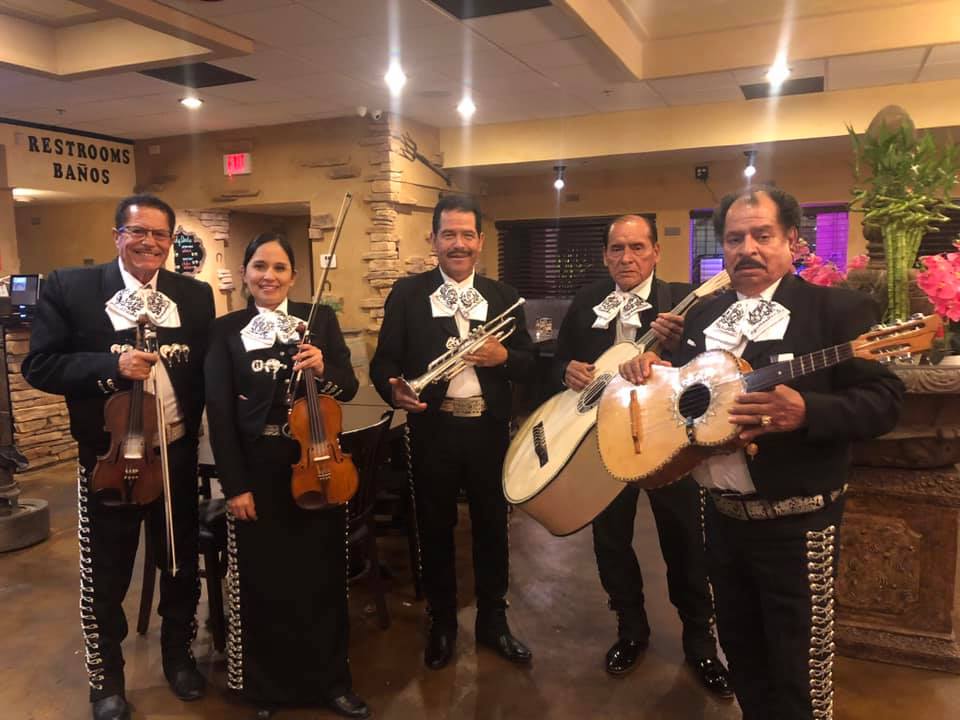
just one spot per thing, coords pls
(879, 564)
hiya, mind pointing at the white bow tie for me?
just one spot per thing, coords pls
(448, 299)
(627, 305)
(269, 326)
(127, 307)
(752, 319)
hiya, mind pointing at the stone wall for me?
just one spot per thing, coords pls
(41, 425)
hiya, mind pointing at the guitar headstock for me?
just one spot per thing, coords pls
(720, 281)
(888, 342)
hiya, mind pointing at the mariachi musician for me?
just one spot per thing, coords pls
(459, 434)
(775, 506)
(288, 619)
(619, 309)
(81, 346)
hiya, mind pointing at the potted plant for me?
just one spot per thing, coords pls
(903, 183)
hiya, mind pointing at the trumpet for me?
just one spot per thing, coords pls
(451, 363)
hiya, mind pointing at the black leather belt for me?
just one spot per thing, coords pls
(749, 507)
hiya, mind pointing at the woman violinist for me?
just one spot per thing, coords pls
(287, 568)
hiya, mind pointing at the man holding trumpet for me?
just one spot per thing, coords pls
(459, 427)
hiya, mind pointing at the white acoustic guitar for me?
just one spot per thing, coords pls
(654, 434)
(552, 470)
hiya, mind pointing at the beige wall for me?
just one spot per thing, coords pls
(63, 235)
(187, 172)
(246, 226)
(670, 191)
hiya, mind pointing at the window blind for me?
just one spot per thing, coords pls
(554, 257)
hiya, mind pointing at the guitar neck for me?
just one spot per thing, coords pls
(649, 338)
(777, 373)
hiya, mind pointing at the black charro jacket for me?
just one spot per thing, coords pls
(411, 338)
(71, 339)
(855, 400)
(239, 399)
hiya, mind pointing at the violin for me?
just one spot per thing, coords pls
(130, 471)
(324, 475)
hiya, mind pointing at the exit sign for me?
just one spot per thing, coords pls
(237, 164)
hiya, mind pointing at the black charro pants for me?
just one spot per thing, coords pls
(773, 583)
(676, 511)
(109, 536)
(449, 453)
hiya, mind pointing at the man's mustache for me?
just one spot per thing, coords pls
(747, 263)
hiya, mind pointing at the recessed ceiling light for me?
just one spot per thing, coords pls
(395, 78)
(559, 183)
(778, 72)
(191, 102)
(751, 169)
(467, 107)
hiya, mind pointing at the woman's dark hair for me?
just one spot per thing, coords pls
(263, 239)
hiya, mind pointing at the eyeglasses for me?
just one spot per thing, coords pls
(140, 233)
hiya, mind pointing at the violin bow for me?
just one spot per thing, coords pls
(294, 380)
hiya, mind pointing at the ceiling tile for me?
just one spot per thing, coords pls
(909, 57)
(944, 54)
(483, 64)
(581, 50)
(591, 76)
(285, 26)
(940, 71)
(381, 16)
(258, 91)
(845, 79)
(621, 96)
(269, 64)
(526, 27)
(702, 96)
(703, 83)
(230, 7)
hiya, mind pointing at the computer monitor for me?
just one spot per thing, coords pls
(24, 289)
(24, 294)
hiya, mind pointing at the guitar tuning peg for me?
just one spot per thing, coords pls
(906, 357)
(878, 326)
(886, 360)
(917, 316)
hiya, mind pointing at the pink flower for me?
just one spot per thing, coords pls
(858, 263)
(821, 273)
(940, 281)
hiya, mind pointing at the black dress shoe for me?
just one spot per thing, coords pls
(111, 708)
(440, 644)
(186, 682)
(623, 654)
(502, 641)
(713, 676)
(349, 705)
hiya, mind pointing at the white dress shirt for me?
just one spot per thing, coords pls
(628, 333)
(466, 383)
(730, 472)
(171, 408)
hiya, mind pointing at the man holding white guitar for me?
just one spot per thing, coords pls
(620, 309)
(776, 501)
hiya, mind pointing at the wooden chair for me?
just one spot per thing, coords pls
(369, 452)
(212, 545)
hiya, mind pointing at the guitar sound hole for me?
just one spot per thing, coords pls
(694, 401)
(592, 393)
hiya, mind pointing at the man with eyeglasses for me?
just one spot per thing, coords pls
(82, 347)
